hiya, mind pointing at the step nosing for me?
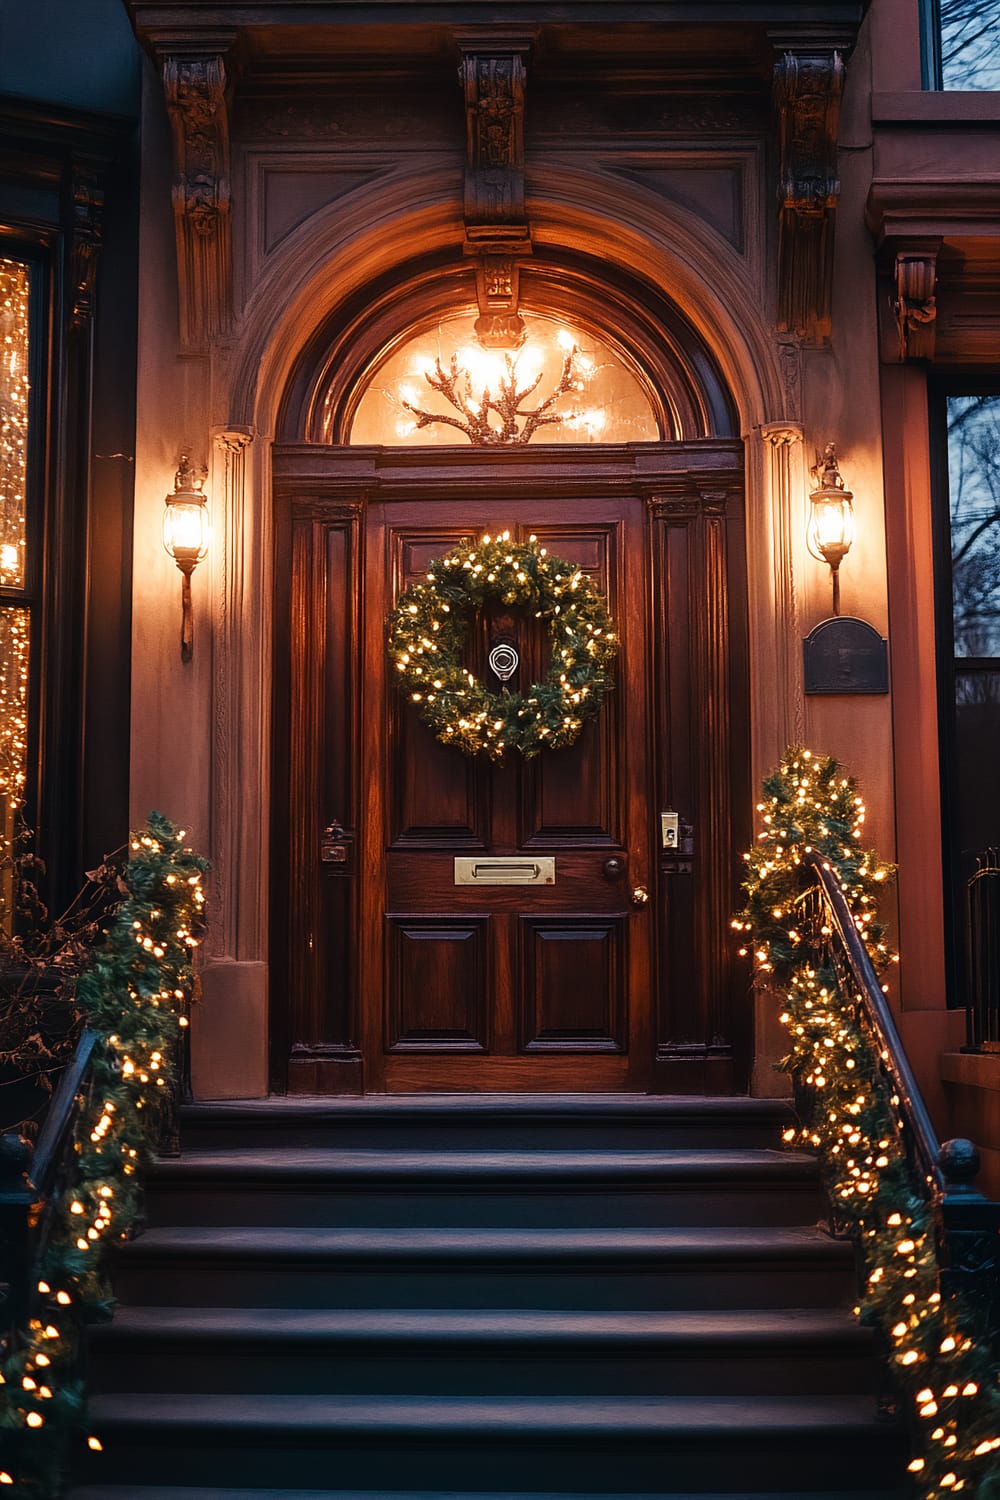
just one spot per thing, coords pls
(254, 1241)
(677, 1416)
(757, 1329)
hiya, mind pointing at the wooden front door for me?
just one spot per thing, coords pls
(488, 985)
(411, 963)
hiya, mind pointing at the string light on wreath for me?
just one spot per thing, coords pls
(939, 1350)
(427, 633)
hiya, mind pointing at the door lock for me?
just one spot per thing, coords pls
(640, 896)
(670, 830)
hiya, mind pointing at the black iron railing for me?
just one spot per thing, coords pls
(983, 1009)
(29, 1183)
(968, 1224)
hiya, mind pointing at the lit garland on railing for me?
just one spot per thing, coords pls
(133, 996)
(946, 1376)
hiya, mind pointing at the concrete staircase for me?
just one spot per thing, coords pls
(487, 1296)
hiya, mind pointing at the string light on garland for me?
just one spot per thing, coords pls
(427, 633)
(132, 996)
(942, 1361)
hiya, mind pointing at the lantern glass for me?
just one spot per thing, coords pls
(185, 530)
(831, 525)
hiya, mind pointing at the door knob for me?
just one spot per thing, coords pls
(614, 869)
(640, 896)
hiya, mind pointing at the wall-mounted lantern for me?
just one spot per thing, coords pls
(185, 536)
(831, 517)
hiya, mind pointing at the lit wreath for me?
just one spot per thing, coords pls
(427, 631)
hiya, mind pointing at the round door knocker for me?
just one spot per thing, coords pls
(503, 660)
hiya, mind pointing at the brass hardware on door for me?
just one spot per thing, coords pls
(640, 896)
(336, 848)
(614, 869)
(505, 870)
(669, 830)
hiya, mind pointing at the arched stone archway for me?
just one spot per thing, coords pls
(334, 259)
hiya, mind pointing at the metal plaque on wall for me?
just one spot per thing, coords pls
(845, 655)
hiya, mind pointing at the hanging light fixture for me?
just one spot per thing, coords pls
(185, 536)
(831, 518)
(486, 390)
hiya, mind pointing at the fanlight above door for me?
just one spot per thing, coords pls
(562, 385)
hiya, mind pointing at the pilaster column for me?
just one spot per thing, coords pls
(778, 648)
(227, 933)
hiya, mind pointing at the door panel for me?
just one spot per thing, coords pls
(438, 985)
(398, 977)
(573, 984)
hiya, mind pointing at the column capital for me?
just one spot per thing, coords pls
(781, 434)
(233, 439)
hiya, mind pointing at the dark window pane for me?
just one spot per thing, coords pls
(970, 44)
(974, 491)
(977, 766)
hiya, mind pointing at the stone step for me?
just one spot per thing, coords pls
(172, 1492)
(518, 1122)
(474, 1443)
(326, 1186)
(593, 1269)
(505, 1351)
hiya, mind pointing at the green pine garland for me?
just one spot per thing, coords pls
(427, 631)
(132, 996)
(941, 1361)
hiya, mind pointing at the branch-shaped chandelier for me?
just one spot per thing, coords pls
(487, 391)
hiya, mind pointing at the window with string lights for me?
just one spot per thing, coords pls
(18, 574)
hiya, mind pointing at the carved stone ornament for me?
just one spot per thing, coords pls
(492, 74)
(499, 325)
(915, 304)
(88, 206)
(493, 82)
(195, 90)
(808, 86)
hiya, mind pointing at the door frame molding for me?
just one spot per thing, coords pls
(699, 482)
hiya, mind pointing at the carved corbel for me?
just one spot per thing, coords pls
(195, 88)
(88, 207)
(808, 84)
(492, 75)
(914, 303)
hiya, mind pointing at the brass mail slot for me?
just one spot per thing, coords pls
(505, 870)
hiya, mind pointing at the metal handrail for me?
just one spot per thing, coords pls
(59, 1119)
(28, 1184)
(926, 1146)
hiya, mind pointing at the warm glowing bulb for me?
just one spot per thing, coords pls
(185, 530)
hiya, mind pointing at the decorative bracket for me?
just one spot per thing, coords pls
(195, 83)
(88, 207)
(914, 301)
(492, 73)
(808, 85)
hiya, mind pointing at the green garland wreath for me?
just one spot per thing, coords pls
(427, 632)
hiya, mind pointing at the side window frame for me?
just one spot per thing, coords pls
(940, 389)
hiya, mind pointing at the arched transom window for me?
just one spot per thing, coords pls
(562, 384)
